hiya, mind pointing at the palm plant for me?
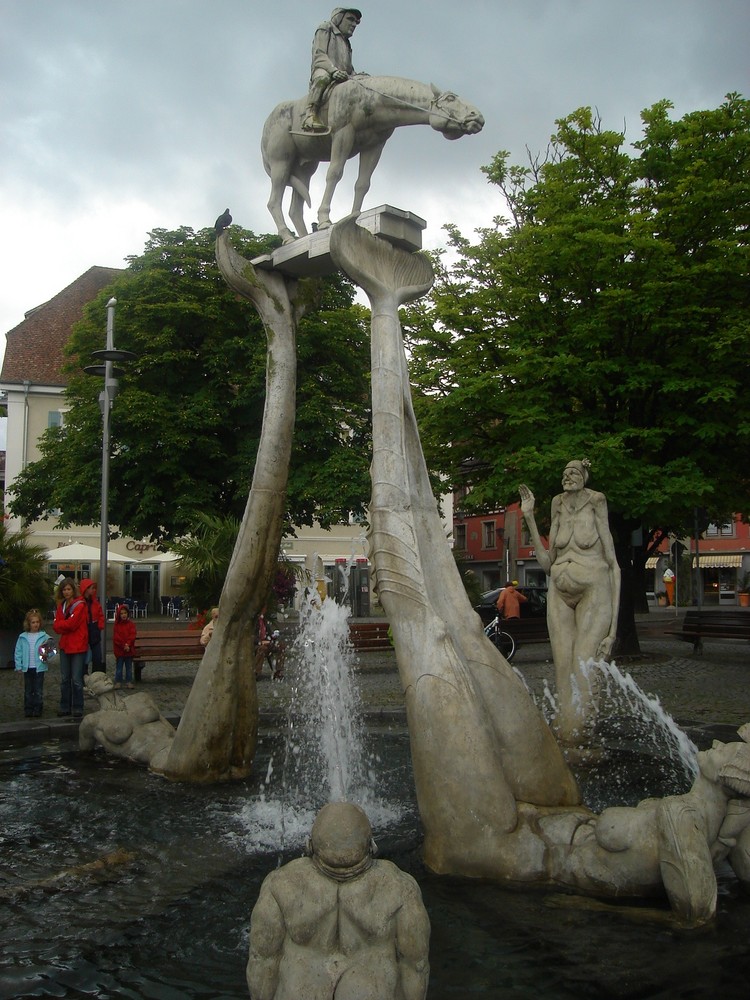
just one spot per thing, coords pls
(205, 555)
(24, 581)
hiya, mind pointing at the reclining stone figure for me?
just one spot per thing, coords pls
(131, 727)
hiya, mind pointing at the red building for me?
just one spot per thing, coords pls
(497, 547)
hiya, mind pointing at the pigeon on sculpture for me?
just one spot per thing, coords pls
(223, 222)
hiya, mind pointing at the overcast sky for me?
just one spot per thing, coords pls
(121, 116)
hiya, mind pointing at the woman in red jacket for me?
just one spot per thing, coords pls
(71, 624)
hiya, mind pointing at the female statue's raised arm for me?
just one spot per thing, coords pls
(527, 509)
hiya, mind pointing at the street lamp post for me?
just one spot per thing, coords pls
(106, 399)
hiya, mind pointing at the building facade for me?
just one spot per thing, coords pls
(497, 547)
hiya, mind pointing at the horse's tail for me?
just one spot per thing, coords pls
(301, 189)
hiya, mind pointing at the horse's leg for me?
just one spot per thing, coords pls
(368, 160)
(297, 207)
(341, 148)
(279, 174)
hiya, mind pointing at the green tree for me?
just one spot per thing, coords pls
(186, 422)
(606, 318)
(24, 578)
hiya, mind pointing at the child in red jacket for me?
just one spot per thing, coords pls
(123, 645)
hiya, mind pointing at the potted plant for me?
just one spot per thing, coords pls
(744, 592)
(24, 584)
(661, 598)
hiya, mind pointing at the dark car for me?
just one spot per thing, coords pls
(535, 605)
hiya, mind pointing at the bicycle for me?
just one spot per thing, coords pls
(501, 640)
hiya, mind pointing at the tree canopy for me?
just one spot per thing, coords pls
(606, 317)
(186, 422)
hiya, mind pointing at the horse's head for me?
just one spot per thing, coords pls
(452, 116)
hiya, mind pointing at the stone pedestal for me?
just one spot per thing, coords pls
(309, 256)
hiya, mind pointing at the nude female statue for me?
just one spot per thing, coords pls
(584, 593)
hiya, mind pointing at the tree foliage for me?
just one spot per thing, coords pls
(24, 578)
(607, 317)
(186, 422)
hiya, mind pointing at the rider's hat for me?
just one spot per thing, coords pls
(340, 11)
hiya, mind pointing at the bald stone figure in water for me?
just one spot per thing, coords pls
(338, 924)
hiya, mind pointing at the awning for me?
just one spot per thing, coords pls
(724, 560)
(652, 562)
(77, 552)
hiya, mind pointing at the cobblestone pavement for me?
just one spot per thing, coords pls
(696, 690)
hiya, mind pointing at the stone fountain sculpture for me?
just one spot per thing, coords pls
(217, 734)
(496, 797)
(130, 727)
(362, 114)
(339, 923)
(583, 597)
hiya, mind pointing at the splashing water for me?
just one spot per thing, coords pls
(326, 701)
(646, 752)
(325, 756)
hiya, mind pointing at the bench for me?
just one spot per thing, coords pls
(712, 623)
(166, 644)
(369, 637)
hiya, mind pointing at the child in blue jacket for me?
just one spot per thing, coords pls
(32, 649)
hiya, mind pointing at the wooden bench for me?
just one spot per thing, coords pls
(370, 636)
(712, 623)
(166, 644)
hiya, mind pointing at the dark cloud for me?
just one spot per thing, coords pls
(124, 116)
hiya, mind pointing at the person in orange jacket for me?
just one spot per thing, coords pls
(509, 602)
(95, 614)
(71, 624)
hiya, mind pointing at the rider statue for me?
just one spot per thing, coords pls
(331, 61)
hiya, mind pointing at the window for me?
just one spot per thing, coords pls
(459, 536)
(714, 530)
(488, 535)
(54, 418)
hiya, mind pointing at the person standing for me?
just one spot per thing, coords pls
(123, 645)
(208, 628)
(509, 602)
(95, 614)
(71, 624)
(268, 646)
(669, 580)
(31, 660)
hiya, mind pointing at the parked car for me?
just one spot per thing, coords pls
(535, 605)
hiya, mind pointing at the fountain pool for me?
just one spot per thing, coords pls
(169, 918)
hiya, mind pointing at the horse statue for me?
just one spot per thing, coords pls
(362, 114)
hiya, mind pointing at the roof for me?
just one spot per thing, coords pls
(35, 348)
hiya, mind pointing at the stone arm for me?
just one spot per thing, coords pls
(86, 731)
(543, 556)
(608, 548)
(267, 935)
(412, 942)
(735, 823)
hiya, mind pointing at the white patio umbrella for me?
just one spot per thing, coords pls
(78, 552)
(160, 557)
